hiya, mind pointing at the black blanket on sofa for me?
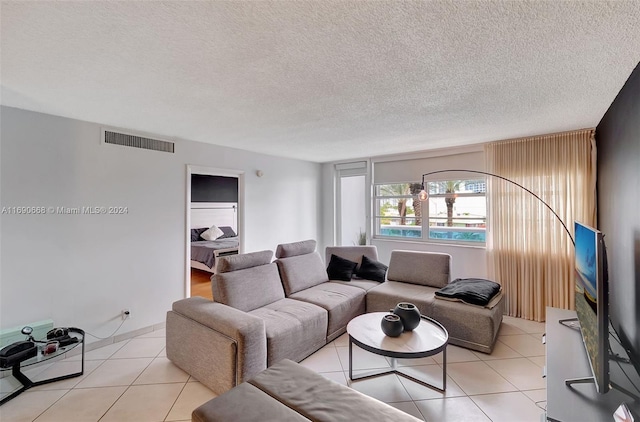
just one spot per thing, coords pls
(476, 291)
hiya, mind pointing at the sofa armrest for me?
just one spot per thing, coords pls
(219, 345)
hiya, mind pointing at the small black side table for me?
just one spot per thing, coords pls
(16, 369)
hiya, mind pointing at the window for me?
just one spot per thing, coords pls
(456, 211)
(395, 210)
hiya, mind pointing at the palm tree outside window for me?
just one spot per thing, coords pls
(455, 212)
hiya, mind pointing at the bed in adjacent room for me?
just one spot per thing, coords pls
(213, 233)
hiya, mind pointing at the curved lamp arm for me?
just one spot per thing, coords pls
(424, 195)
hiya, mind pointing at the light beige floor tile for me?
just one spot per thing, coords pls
(342, 341)
(144, 403)
(153, 334)
(521, 372)
(500, 351)
(528, 326)
(140, 348)
(8, 385)
(457, 354)
(478, 378)
(386, 388)
(507, 328)
(538, 360)
(536, 396)
(508, 407)
(115, 372)
(452, 409)
(324, 360)
(361, 359)
(102, 353)
(163, 353)
(82, 405)
(193, 395)
(29, 405)
(161, 370)
(338, 377)
(65, 367)
(408, 407)
(33, 371)
(524, 344)
(431, 374)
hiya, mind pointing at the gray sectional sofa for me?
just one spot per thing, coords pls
(267, 311)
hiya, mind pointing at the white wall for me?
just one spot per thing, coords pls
(82, 270)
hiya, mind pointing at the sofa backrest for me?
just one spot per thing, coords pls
(247, 281)
(300, 266)
(352, 253)
(425, 268)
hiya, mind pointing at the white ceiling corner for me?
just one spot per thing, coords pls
(324, 80)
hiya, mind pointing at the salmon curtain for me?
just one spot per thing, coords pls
(529, 252)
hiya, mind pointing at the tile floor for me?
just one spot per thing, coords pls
(133, 381)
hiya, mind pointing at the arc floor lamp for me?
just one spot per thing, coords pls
(423, 195)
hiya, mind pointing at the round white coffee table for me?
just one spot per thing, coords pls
(428, 339)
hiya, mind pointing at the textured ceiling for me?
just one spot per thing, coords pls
(325, 80)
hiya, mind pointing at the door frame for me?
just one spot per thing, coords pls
(209, 171)
(355, 168)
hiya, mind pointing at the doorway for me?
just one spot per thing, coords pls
(214, 223)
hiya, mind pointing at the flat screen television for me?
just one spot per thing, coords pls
(592, 300)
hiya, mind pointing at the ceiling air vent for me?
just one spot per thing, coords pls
(127, 140)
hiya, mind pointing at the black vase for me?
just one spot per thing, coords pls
(392, 325)
(409, 315)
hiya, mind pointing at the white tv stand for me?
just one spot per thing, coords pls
(566, 360)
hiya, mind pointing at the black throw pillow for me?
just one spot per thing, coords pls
(372, 270)
(340, 268)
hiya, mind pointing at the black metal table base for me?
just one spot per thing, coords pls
(397, 371)
(27, 383)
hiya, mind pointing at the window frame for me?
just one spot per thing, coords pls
(425, 227)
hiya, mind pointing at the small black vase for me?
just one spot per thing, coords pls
(409, 315)
(392, 325)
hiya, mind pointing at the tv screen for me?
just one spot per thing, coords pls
(591, 300)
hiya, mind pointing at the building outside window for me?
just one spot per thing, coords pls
(456, 211)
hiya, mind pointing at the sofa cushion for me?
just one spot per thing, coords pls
(244, 260)
(426, 268)
(469, 326)
(286, 250)
(387, 295)
(361, 283)
(249, 288)
(294, 329)
(340, 268)
(372, 270)
(301, 272)
(352, 253)
(250, 402)
(343, 302)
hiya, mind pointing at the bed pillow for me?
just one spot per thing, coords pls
(340, 268)
(228, 232)
(195, 233)
(372, 270)
(212, 233)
